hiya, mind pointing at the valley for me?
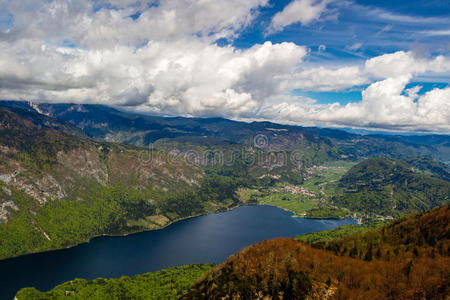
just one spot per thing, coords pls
(68, 175)
(224, 150)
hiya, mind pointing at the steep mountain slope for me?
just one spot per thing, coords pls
(198, 138)
(30, 111)
(212, 133)
(57, 190)
(416, 267)
(41, 162)
(416, 235)
(389, 187)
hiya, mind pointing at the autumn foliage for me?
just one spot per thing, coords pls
(414, 264)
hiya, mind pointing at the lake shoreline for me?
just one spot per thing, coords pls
(210, 238)
(294, 215)
(128, 233)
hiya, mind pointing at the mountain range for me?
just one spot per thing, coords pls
(69, 172)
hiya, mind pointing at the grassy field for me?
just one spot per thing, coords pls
(308, 199)
(295, 203)
(323, 179)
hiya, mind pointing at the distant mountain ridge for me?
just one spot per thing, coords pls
(109, 124)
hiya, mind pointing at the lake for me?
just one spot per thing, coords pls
(205, 239)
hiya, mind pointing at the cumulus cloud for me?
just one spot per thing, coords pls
(298, 11)
(384, 105)
(165, 60)
(178, 77)
(401, 62)
(94, 24)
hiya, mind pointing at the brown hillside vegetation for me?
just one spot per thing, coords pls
(286, 269)
(425, 233)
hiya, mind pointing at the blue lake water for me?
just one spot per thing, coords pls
(205, 239)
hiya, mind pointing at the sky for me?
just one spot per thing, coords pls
(381, 65)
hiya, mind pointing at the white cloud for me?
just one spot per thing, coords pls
(78, 22)
(166, 62)
(413, 93)
(298, 11)
(179, 77)
(355, 46)
(323, 79)
(389, 16)
(172, 77)
(436, 32)
(383, 106)
(385, 29)
(400, 63)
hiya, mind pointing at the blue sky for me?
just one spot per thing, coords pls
(354, 33)
(352, 22)
(354, 94)
(340, 63)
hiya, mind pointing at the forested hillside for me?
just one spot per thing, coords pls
(165, 284)
(408, 259)
(427, 165)
(62, 182)
(57, 190)
(389, 187)
(416, 235)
